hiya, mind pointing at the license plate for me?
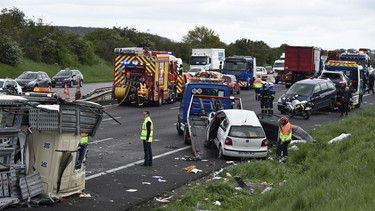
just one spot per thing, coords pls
(246, 153)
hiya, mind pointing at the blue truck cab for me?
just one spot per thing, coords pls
(243, 67)
(190, 106)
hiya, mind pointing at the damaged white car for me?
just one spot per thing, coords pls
(237, 133)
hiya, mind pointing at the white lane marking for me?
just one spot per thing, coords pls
(174, 108)
(132, 164)
(117, 117)
(98, 141)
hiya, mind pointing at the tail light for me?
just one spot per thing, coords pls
(264, 143)
(228, 141)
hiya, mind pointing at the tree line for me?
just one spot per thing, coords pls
(21, 37)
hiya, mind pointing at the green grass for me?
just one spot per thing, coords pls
(318, 176)
(101, 72)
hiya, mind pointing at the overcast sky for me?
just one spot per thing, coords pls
(329, 24)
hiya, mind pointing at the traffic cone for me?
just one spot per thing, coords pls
(66, 92)
(78, 93)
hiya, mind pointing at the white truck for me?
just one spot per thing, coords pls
(278, 66)
(207, 58)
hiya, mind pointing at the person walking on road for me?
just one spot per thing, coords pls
(257, 85)
(146, 137)
(263, 95)
(271, 97)
(371, 80)
(284, 138)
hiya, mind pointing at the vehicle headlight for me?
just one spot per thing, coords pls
(31, 83)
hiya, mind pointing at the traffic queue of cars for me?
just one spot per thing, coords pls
(29, 80)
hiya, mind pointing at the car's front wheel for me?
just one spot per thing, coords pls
(80, 83)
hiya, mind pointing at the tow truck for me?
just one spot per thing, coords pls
(202, 98)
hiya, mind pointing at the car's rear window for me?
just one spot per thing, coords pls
(301, 89)
(246, 131)
(64, 73)
(331, 75)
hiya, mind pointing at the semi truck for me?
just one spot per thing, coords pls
(278, 67)
(243, 67)
(157, 68)
(301, 62)
(207, 58)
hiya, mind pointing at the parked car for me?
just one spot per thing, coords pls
(262, 72)
(232, 82)
(28, 80)
(195, 70)
(11, 86)
(337, 77)
(69, 77)
(237, 133)
(321, 92)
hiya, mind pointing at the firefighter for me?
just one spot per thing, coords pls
(346, 101)
(284, 138)
(263, 95)
(271, 97)
(257, 85)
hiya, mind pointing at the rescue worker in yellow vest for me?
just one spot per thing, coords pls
(82, 150)
(146, 137)
(284, 138)
(142, 92)
(257, 85)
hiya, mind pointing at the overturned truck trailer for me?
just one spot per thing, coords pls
(40, 145)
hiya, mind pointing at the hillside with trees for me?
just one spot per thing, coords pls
(22, 38)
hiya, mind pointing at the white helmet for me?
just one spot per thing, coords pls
(270, 84)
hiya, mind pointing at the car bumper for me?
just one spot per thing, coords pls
(245, 154)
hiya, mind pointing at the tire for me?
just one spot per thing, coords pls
(160, 101)
(306, 115)
(80, 83)
(178, 127)
(71, 84)
(238, 91)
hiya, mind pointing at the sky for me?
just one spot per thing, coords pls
(328, 24)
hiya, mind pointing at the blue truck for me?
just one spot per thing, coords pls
(201, 99)
(243, 67)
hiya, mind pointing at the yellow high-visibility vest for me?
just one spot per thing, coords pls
(144, 130)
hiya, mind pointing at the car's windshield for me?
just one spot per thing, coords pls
(198, 60)
(28, 76)
(246, 131)
(301, 89)
(234, 65)
(227, 78)
(278, 64)
(64, 73)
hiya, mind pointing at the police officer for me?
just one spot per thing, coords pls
(271, 97)
(263, 95)
(257, 86)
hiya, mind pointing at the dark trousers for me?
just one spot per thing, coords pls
(148, 152)
(282, 148)
(263, 105)
(257, 93)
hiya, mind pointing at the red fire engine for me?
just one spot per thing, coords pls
(157, 68)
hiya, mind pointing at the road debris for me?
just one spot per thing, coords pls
(339, 138)
(163, 200)
(192, 169)
(131, 190)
